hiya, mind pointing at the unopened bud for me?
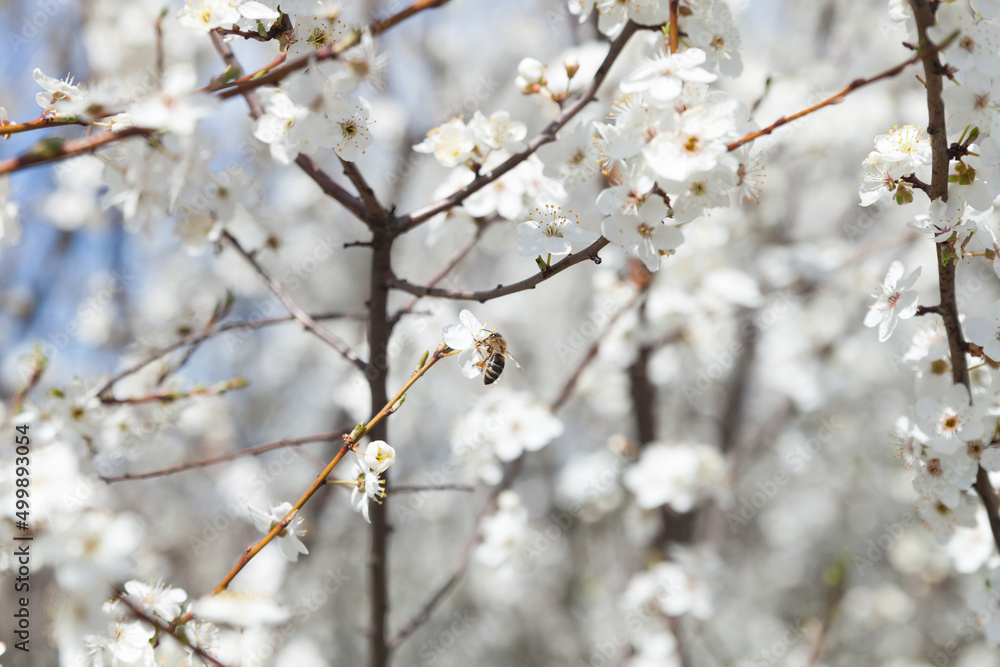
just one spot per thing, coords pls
(572, 66)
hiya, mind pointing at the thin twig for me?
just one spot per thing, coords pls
(195, 339)
(433, 487)
(7, 128)
(38, 364)
(273, 75)
(305, 163)
(350, 441)
(448, 267)
(171, 396)
(302, 316)
(416, 218)
(376, 212)
(418, 6)
(838, 97)
(590, 252)
(164, 628)
(424, 613)
(570, 384)
(55, 149)
(251, 451)
(674, 30)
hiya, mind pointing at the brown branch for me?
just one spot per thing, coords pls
(252, 451)
(281, 26)
(989, 495)
(590, 252)
(674, 30)
(923, 11)
(163, 628)
(936, 128)
(331, 52)
(416, 218)
(375, 428)
(7, 128)
(434, 487)
(379, 331)
(275, 75)
(510, 474)
(38, 364)
(195, 339)
(300, 315)
(376, 212)
(839, 97)
(307, 164)
(54, 149)
(252, 551)
(916, 182)
(570, 384)
(331, 188)
(170, 396)
(448, 267)
(420, 5)
(424, 613)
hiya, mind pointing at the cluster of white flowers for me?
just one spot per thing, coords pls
(310, 112)
(502, 426)
(505, 533)
(667, 150)
(678, 475)
(129, 641)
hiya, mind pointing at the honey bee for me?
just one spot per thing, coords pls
(493, 350)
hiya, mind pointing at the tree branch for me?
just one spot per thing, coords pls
(397, 18)
(923, 11)
(376, 212)
(416, 218)
(448, 267)
(590, 252)
(164, 628)
(195, 339)
(300, 315)
(379, 331)
(424, 613)
(252, 451)
(7, 128)
(311, 169)
(54, 149)
(330, 52)
(839, 97)
(331, 188)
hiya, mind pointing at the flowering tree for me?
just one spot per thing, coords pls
(243, 245)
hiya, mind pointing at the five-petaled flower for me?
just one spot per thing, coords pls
(894, 301)
(288, 537)
(466, 336)
(367, 486)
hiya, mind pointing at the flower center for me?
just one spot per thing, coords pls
(934, 468)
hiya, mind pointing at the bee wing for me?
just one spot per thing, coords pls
(516, 362)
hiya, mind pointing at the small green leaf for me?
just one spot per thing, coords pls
(903, 195)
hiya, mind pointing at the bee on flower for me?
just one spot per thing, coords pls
(482, 350)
